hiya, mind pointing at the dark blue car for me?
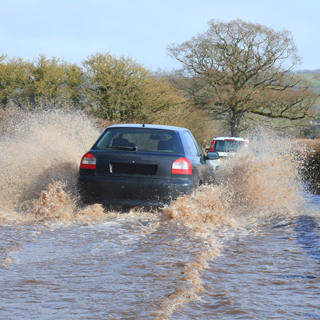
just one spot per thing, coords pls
(138, 164)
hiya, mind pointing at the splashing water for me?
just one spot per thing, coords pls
(252, 186)
(38, 149)
(265, 179)
(40, 159)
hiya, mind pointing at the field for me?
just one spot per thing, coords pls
(314, 79)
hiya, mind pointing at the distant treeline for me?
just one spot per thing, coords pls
(113, 88)
(305, 71)
(210, 94)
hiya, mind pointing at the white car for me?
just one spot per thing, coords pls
(225, 147)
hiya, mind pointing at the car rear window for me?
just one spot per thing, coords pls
(227, 145)
(150, 140)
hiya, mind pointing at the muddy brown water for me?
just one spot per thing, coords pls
(130, 267)
(244, 248)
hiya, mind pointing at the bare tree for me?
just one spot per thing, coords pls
(234, 67)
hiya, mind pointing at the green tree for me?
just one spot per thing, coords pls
(236, 68)
(120, 89)
(3, 81)
(40, 84)
(13, 76)
(53, 83)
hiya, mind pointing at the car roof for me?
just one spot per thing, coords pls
(233, 138)
(147, 126)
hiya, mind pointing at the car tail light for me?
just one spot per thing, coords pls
(246, 144)
(181, 166)
(88, 161)
(211, 146)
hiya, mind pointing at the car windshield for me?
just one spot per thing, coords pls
(227, 145)
(140, 139)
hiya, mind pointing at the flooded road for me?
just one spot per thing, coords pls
(129, 266)
(270, 273)
(246, 248)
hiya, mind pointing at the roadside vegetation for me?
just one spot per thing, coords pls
(109, 89)
(233, 77)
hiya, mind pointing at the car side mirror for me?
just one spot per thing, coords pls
(207, 150)
(212, 156)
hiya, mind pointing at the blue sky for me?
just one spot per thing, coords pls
(73, 29)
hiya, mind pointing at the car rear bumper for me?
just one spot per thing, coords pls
(131, 191)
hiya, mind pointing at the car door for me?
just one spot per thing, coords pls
(199, 163)
(207, 169)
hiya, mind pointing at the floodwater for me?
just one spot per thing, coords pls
(245, 248)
